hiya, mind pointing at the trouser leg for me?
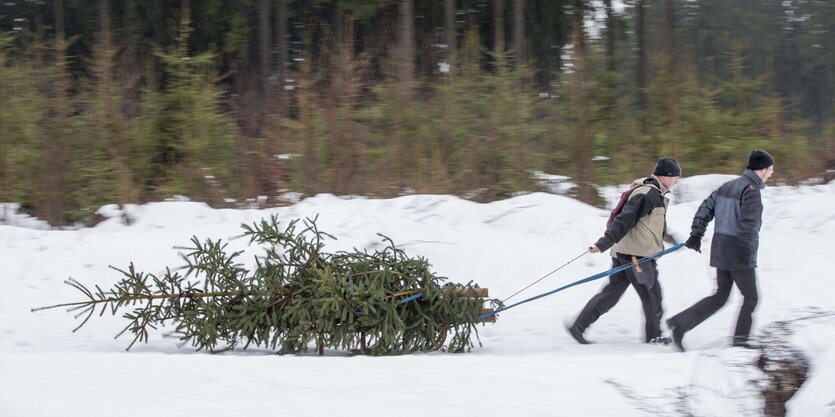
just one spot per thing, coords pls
(649, 290)
(707, 306)
(747, 283)
(604, 300)
(651, 303)
(657, 311)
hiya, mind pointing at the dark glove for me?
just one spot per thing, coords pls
(694, 243)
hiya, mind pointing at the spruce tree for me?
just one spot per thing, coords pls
(377, 303)
(190, 148)
(21, 133)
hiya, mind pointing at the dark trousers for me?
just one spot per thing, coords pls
(646, 285)
(746, 282)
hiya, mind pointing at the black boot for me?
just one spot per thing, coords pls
(576, 333)
(677, 335)
(744, 343)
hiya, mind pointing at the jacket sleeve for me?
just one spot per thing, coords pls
(638, 206)
(703, 216)
(750, 216)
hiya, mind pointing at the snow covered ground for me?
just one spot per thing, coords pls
(527, 366)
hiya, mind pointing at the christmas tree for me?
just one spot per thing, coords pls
(378, 303)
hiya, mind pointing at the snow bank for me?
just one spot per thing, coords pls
(10, 215)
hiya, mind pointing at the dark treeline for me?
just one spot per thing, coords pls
(225, 102)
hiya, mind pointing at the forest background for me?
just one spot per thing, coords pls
(242, 103)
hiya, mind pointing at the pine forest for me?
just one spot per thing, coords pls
(259, 102)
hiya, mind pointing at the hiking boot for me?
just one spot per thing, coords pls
(660, 340)
(576, 333)
(677, 335)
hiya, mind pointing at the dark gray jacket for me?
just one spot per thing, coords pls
(738, 208)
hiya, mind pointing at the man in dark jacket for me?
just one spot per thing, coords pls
(737, 207)
(637, 231)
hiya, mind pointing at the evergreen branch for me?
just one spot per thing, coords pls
(187, 294)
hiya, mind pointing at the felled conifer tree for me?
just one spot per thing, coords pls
(377, 303)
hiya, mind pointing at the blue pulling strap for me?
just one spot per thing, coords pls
(584, 280)
(410, 298)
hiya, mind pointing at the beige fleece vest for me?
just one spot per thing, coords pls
(647, 237)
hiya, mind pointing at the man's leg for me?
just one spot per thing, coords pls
(706, 307)
(699, 312)
(649, 290)
(604, 300)
(747, 282)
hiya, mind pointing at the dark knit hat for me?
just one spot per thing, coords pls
(759, 159)
(667, 167)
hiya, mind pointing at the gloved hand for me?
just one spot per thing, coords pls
(694, 243)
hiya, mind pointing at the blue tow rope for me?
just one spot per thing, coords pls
(584, 280)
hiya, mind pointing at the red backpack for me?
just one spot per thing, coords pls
(619, 206)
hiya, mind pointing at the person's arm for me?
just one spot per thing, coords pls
(750, 216)
(702, 218)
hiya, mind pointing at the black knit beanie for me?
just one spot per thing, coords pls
(667, 167)
(759, 159)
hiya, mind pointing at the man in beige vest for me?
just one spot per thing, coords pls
(637, 231)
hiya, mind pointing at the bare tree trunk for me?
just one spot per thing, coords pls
(111, 127)
(611, 34)
(106, 113)
(582, 105)
(157, 21)
(265, 62)
(105, 53)
(669, 26)
(406, 55)
(519, 32)
(640, 72)
(498, 26)
(671, 77)
(338, 34)
(55, 149)
(281, 37)
(310, 160)
(130, 77)
(281, 54)
(405, 156)
(129, 21)
(452, 44)
(347, 174)
(156, 13)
